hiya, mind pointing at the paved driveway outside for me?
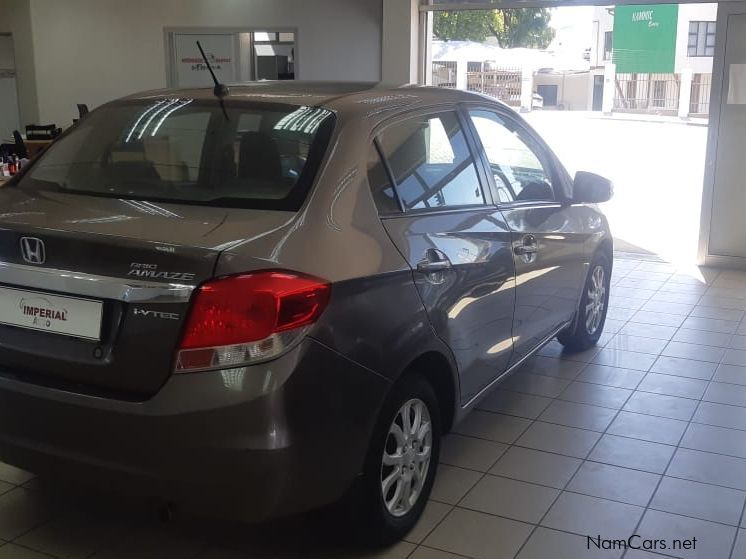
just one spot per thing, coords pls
(657, 167)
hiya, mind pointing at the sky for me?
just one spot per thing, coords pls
(574, 28)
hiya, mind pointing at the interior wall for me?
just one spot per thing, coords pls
(7, 59)
(9, 119)
(92, 51)
(15, 18)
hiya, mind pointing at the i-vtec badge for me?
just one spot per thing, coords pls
(150, 271)
(156, 314)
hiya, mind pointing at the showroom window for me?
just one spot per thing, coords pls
(701, 38)
(519, 174)
(431, 163)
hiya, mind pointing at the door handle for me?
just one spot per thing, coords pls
(429, 267)
(434, 261)
(526, 249)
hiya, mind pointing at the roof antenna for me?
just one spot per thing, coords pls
(220, 90)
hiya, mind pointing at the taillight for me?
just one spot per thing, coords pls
(238, 320)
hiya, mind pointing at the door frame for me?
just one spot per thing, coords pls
(463, 5)
(704, 256)
(596, 88)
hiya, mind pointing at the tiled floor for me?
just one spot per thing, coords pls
(645, 434)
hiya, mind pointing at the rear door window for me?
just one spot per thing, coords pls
(430, 163)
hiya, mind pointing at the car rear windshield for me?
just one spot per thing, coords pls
(259, 155)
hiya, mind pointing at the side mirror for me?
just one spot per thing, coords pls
(589, 188)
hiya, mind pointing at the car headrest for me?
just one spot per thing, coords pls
(259, 157)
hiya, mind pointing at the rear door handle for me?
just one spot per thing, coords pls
(434, 261)
(525, 249)
(429, 267)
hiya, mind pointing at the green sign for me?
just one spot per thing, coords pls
(645, 38)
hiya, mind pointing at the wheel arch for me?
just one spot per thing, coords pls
(437, 369)
(607, 247)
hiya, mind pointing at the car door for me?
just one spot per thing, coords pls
(441, 218)
(548, 234)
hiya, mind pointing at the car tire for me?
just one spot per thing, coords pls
(594, 303)
(379, 520)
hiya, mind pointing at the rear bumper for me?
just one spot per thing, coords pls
(255, 442)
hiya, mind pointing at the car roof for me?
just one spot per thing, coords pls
(368, 98)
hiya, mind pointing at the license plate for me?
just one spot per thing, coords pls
(70, 316)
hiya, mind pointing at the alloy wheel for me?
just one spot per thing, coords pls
(594, 309)
(406, 457)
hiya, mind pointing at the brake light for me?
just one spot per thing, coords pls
(237, 320)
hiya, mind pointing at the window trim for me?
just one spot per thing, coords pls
(689, 35)
(608, 54)
(389, 174)
(485, 187)
(547, 159)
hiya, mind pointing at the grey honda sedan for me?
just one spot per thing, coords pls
(272, 301)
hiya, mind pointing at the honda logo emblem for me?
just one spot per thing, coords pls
(32, 250)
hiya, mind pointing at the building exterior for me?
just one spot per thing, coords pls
(661, 57)
(523, 77)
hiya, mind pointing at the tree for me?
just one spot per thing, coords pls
(467, 25)
(517, 27)
(524, 27)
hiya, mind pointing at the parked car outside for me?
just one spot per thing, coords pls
(263, 304)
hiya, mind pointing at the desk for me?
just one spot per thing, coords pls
(35, 146)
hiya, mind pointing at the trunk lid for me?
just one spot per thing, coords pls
(129, 264)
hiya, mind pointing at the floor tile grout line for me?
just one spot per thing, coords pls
(539, 420)
(661, 476)
(570, 480)
(668, 466)
(35, 527)
(25, 546)
(673, 454)
(560, 530)
(583, 494)
(485, 473)
(597, 461)
(633, 390)
(423, 546)
(738, 531)
(481, 477)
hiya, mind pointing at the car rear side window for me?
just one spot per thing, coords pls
(248, 155)
(520, 175)
(430, 163)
